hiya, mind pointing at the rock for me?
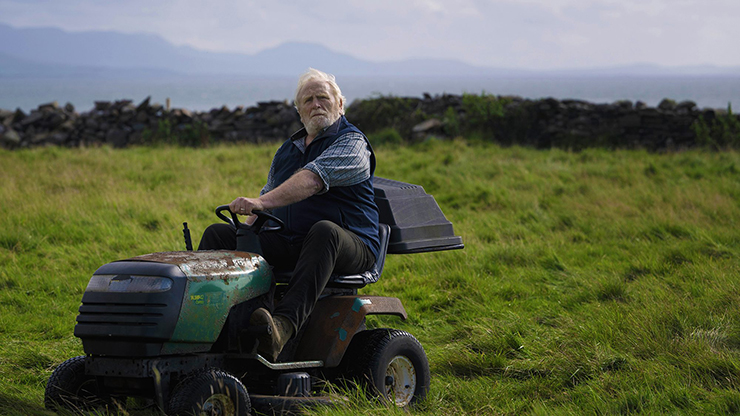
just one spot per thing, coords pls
(102, 105)
(55, 120)
(427, 128)
(143, 105)
(52, 106)
(39, 137)
(59, 138)
(667, 105)
(11, 137)
(624, 104)
(19, 115)
(6, 115)
(32, 118)
(685, 107)
(69, 108)
(116, 138)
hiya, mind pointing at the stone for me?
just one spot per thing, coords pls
(624, 104)
(667, 105)
(686, 107)
(32, 118)
(59, 137)
(6, 114)
(427, 128)
(67, 126)
(52, 106)
(39, 137)
(117, 138)
(55, 119)
(156, 108)
(11, 137)
(143, 105)
(19, 115)
(102, 105)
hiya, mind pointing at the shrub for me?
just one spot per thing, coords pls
(720, 132)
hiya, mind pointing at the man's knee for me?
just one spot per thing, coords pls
(324, 230)
(216, 236)
(216, 230)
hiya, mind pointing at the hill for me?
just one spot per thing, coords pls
(51, 51)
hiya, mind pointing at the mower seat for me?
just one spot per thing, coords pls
(354, 281)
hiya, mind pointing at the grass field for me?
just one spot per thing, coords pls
(598, 282)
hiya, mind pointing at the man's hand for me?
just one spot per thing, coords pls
(245, 206)
(298, 187)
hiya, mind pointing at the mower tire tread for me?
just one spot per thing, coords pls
(194, 391)
(64, 390)
(370, 353)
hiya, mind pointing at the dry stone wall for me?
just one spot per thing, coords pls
(122, 123)
(540, 123)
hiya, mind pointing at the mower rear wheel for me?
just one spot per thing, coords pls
(69, 388)
(391, 364)
(210, 393)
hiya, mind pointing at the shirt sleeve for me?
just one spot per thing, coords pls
(345, 162)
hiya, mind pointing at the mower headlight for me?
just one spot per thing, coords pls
(128, 283)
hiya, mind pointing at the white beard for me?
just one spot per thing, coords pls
(316, 124)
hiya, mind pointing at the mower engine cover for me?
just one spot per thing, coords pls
(166, 303)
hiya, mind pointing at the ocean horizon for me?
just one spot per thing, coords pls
(200, 93)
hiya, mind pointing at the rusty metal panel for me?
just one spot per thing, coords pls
(334, 322)
(217, 280)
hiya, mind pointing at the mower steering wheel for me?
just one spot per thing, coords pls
(258, 224)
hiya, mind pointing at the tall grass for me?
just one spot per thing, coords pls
(591, 282)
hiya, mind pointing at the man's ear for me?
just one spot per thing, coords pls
(341, 105)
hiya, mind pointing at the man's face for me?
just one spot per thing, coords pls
(317, 106)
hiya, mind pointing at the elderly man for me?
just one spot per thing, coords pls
(321, 185)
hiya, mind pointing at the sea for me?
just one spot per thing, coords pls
(200, 93)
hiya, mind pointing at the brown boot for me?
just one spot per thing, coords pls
(272, 343)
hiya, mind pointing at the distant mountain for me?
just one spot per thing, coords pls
(54, 52)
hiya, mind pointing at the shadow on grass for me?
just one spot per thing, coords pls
(11, 405)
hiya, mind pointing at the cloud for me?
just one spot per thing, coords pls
(507, 33)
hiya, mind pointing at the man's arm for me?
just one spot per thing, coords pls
(298, 187)
(346, 162)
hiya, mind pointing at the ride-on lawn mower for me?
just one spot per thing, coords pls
(173, 328)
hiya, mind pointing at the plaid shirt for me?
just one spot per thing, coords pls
(345, 162)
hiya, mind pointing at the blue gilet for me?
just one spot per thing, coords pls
(351, 207)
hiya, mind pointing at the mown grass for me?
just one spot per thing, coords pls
(598, 282)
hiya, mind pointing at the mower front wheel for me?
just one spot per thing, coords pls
(69, 388)
(391, 364)
(210, 393)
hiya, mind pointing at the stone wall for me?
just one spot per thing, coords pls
(540, 123)
(122, 123)
(544, 123)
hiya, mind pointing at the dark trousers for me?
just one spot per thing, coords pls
(327, 248)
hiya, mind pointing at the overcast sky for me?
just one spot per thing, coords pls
(531, 34)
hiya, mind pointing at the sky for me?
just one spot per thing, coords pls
(522, 34)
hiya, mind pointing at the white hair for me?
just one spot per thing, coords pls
(316, 75)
